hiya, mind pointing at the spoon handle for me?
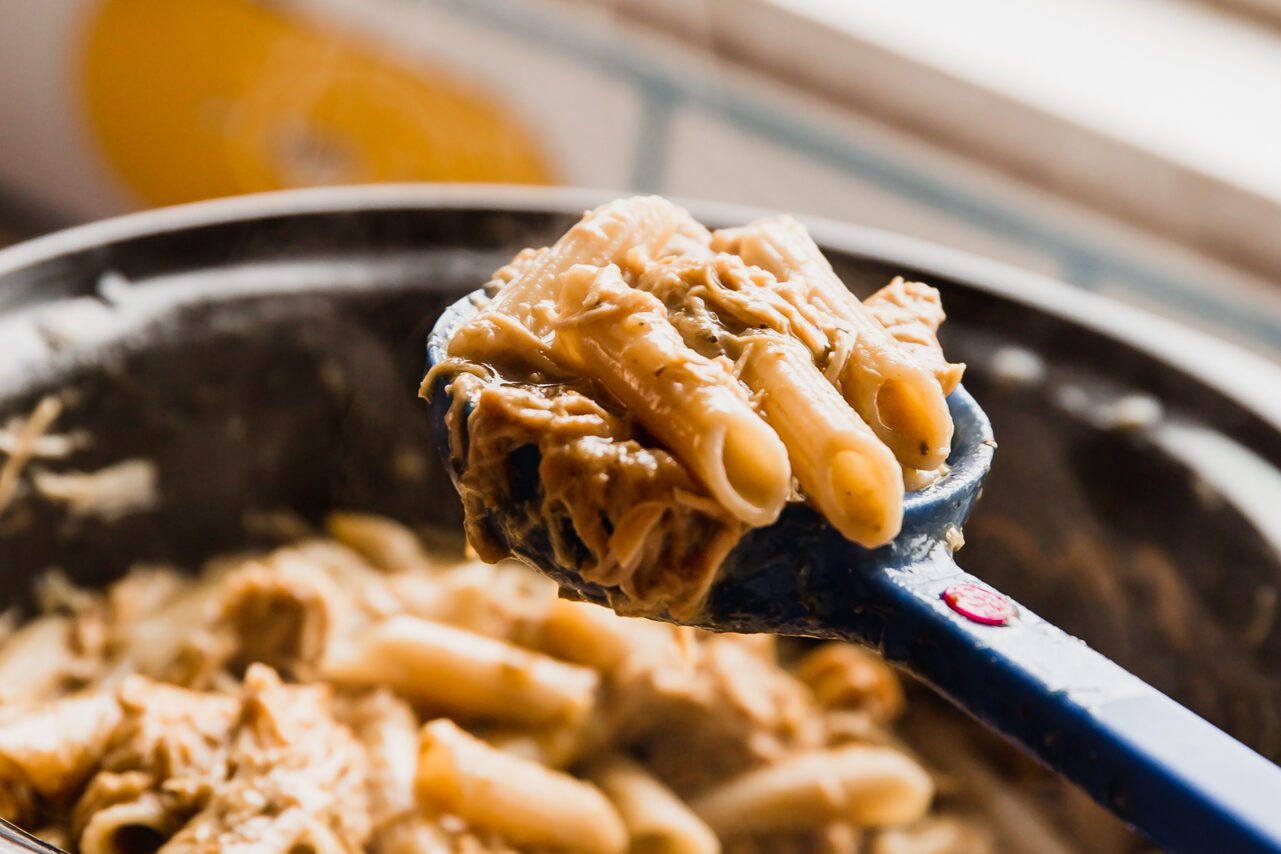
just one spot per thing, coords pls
(1181, 781)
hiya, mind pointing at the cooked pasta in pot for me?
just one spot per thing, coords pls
(355, 693)
(681, 386)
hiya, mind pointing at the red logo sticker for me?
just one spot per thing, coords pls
(979, 604)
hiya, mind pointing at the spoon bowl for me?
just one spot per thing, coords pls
(785, 578)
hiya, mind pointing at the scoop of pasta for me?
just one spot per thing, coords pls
(676, 387)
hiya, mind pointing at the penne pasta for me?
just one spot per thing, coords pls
(132, 827)
(622, 339)
(464, 673)
(281, 618)
(657, 821)
(460, 775)
(387, 545)
(528, 306)
(843, 468)
(899, 398)
(866, 785)
(590, 635)
(912, 313)
(843, 676)
(738, 459)
(107, 789)
(520, 263)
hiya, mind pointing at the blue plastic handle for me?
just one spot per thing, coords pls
(1181, 781)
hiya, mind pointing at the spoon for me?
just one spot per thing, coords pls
(1185, 784)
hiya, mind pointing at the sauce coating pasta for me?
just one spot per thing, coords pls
(676, 387)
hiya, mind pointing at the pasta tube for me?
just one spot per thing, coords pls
(520, 800)
(388, 545)
(128, 828)
(279, 616)
(622, 339)
(528, 305)
(912, 313)
(841, 675)
(657, 821)
(894, 393)
(591, 635)
(866, 785)
(461, 672)
(842, 466)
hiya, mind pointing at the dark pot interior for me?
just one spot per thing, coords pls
(267, 356)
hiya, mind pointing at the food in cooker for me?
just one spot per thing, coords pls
(681, 386)
(355, 693)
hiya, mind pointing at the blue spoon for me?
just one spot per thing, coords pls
(1184, 783)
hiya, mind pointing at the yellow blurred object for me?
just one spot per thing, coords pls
(208, 98)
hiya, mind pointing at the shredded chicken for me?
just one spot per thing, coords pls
(721, 710)
(22, 444)
(299, 778)
(178, 737)
(624, 514)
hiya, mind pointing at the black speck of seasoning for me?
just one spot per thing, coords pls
(659, 372)
(711, 339)
(762, 326)
(925, 449)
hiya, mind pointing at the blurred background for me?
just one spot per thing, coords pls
(1130, 147)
